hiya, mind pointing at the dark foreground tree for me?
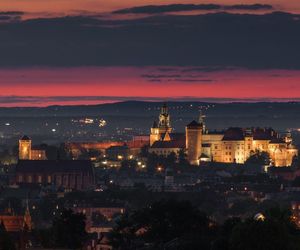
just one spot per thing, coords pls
(161, 224)
(68, 230)
(6, 242)
(275, 232)
(221, 242)
(259, 158)
(179, 225)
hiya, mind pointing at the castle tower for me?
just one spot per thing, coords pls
(25, 148)
(162, 127)
(164, 118)
(194, 142)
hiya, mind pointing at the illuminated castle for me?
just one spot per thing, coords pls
(27, 152)
(234, 145)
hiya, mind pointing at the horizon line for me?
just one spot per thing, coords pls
(66, 101)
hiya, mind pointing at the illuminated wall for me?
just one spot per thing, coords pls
(281, 153)
(25, 149)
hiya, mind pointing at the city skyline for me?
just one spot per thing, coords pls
(149, 124)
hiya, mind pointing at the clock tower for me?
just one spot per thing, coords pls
(162, 127)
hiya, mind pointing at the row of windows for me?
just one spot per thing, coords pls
(39, 178)
(229, 147)
(30, 179)
(165, 151)
(238, 147)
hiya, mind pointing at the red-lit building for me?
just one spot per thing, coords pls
(15, 223)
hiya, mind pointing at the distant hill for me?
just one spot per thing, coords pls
(139, 108)
(125, 119)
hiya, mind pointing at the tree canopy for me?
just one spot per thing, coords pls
(179, 225)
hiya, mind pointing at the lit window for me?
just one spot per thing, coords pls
(29, 179)
(39, 179)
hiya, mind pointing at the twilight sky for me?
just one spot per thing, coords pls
(94, 51)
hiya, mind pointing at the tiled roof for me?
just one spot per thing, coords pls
(168, 144)
(237, 134)
(25, 138)
(177, 136)
(234, 134)
(124, 147)
(277, 140)
(36, 147)
(154, 125)
(264, 134)
(194, 124)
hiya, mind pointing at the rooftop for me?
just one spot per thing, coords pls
(25, 138)
(168, 144)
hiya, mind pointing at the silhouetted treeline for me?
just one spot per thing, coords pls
(180, 225)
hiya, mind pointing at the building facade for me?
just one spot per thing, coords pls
(236, 145)
(27, 152)
(66, 174)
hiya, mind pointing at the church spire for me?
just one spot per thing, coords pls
(202, 121)
(27, 217)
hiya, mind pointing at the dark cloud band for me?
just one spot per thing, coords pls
(212, 41)
(156, 9)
